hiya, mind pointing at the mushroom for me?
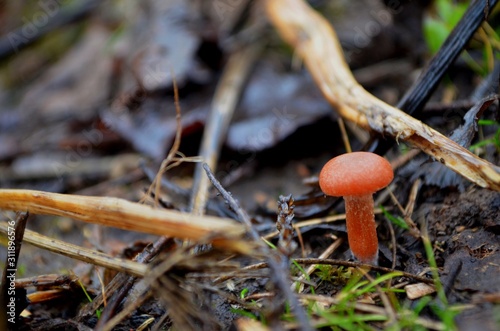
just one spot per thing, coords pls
(356, 176)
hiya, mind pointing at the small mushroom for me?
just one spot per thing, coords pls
(356, 176)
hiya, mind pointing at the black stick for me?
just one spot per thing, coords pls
(415, 98)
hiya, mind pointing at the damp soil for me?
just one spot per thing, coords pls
(60, 133)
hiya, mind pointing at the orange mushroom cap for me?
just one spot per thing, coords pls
(356, 173)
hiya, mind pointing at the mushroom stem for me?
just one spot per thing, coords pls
(361, 228)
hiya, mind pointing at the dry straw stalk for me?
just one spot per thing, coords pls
(123, 214)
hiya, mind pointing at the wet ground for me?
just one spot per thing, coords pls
(89, 109)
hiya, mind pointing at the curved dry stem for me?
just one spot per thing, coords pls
(316, 42)
(123, 214)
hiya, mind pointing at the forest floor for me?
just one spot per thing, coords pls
(89, 108)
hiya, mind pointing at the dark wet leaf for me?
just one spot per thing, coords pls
(152, 129)
(465, 133)
(76, 86)
(165, 45)
(274, 105)
(478, 255)
(313, 203)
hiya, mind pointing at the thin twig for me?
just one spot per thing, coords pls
(363, 265)
(80, 253)
(325, 254)
(122, 283)
(279, 275)
(107, 324)
(222, 109)
(345, 137)
(393, 242)
(318, 261)
(166, 164)
(317, 221)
